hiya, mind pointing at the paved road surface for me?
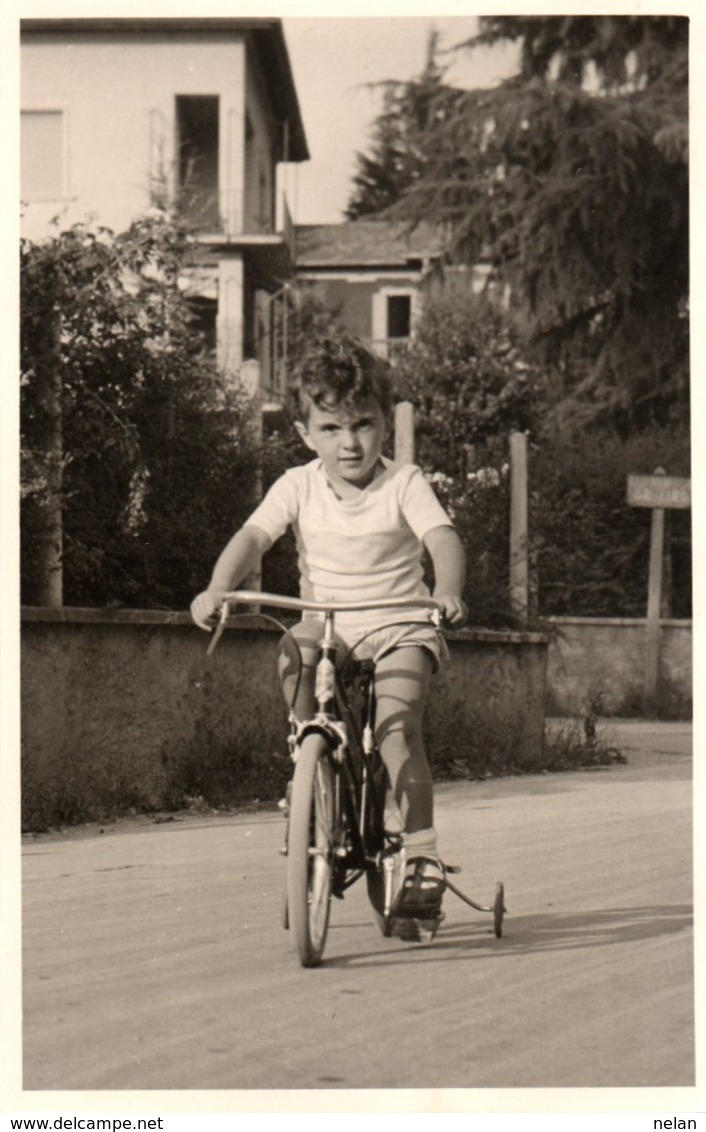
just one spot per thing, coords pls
(154, 957)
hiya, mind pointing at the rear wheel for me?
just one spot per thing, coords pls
(311, 847)
(284, 908)
(375, 879)
(375, 874)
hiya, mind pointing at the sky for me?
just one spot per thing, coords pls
(333, 60)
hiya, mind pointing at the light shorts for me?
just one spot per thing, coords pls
(377, 643)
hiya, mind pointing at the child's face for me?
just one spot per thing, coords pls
(348, 441)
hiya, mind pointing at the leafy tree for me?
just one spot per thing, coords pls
(155, 458)
(469, 379)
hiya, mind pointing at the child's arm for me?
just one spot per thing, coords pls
(449, 561)
(238, 558)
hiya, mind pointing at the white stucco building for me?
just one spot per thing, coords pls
(120, 115)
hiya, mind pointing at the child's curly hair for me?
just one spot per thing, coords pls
(339, 371)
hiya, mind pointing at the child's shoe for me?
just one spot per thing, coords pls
(422, 888)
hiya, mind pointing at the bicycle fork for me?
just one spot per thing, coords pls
(392, 871)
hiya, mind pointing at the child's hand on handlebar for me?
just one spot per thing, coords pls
(454, 611)
(205, 608)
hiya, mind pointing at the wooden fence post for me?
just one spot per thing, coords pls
(654, 604)
(404, 432)
(250, 376)
(519, 564)
(49, 585)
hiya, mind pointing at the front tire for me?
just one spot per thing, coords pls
(311, 847)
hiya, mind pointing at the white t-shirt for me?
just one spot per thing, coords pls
(354, 549)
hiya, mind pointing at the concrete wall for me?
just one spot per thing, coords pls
(608, 655)
(126, 709)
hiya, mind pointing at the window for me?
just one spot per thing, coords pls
(197, 159)
(399, 316)
(394, 317)
(42, 155)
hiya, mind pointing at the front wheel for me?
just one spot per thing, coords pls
(310, 849)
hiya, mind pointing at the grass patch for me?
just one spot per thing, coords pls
(567, 746)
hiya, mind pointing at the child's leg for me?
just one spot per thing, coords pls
(307, 634)
(401, 683)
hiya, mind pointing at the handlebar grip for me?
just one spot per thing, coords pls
(222, 619)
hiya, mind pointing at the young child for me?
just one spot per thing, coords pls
(361, 523)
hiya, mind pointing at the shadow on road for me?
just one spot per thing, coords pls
(536, 934)
(551, 931)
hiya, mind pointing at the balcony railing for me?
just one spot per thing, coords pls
(231, 214)
(390, 348)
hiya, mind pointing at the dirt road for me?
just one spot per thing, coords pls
(154, 956)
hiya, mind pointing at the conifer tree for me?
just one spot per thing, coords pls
(571, 180)
(396, 159)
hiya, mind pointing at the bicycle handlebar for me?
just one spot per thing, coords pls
(255, 597)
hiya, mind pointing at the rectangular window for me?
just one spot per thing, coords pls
(399, 316)
(197, 160)
(42, 155)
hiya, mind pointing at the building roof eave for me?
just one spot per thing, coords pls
(267, 36)
(272, 49)
(363, 244)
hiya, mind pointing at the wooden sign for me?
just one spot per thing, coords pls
(659, 491)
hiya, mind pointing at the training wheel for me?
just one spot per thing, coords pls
(499, 909)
